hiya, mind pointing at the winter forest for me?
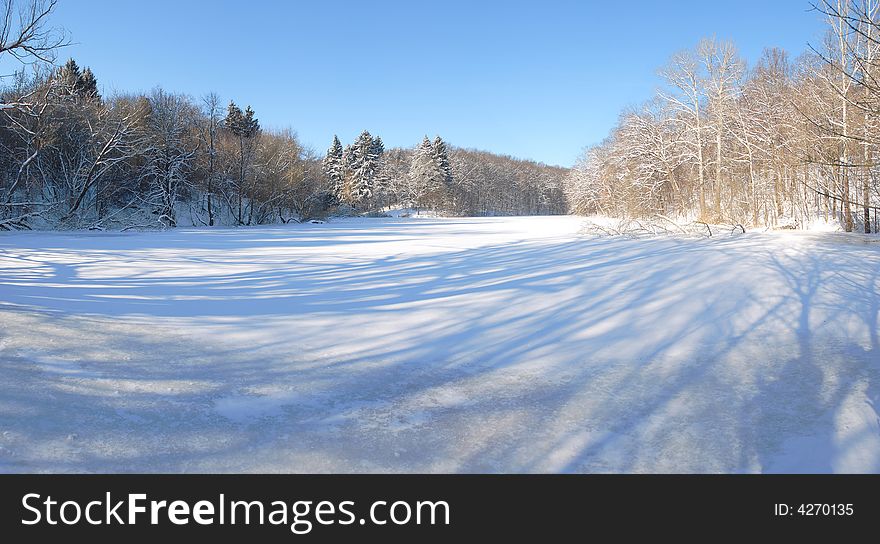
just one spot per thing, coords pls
(186, 286)
(75, 159)
(779, 144)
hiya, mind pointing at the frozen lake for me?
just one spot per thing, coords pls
(438, 345)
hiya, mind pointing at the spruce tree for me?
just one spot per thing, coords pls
(79, 84)
(245, 126)
(69, 76)
(251, 124)
(441, 161)
(70, 73)
(422, 173)
(87, 85)
(364, 165)
(443, 171)
(334, 169)
(378, 148)
(381, 179)
(242, 124)
(234, 118)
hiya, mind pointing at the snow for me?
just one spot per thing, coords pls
(438, 345)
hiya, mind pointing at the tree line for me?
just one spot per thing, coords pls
(72, 158)
(781, 144)
(437, 177)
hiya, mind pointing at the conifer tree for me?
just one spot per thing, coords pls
(70, 73)
(443, 173)
(334, 169)
(378, 147)
(245, 127)
(80, 84)
(441, 162)
(381, 179)
(362, 163)
(364, 169)
(87, 85)
(422, 173)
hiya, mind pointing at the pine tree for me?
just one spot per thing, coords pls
(251, 124)
(362, 163)
(81, 85)
(348, 162)
(245, 126)
(443, 173)
(381, 179)
(87, 85)
(431, 174)
(422, 173)
(441, 161)
(68, 77)
(378, 147)
(70, 73)
(334, 169)
(234, 118)
(242, 124)
(362, 175)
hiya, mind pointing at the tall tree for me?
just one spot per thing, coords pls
(210, 125)
(334, 169)
(687, 103)
(443, 172)
(28, 38)
(169, 152)
(245, 127)
(724, 70)
(363, 166)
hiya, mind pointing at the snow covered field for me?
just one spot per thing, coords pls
(488, 345)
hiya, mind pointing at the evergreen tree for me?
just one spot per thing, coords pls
(242, 124)
(68, 77)
(422, 173)
(363, 170)
(78, 84)
(334, 168)
(234, 117)
(431, 174)
(443, 171)
(87, 85)
(246, 127)
(362, 160)
(251, 124)
(348, 159)
(440, 155)
(381, 178)
(70, 74)
(378, 148)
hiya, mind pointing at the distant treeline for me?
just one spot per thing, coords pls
(72, 158)
(782, 143)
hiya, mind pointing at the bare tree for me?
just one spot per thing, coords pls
(724, 69)
(686, 101)
(25, 33)
(210, 129)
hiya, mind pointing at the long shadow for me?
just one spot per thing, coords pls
(556, 355)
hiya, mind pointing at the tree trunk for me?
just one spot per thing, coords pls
(718, 183)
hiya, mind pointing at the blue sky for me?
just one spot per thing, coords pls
(537, 80)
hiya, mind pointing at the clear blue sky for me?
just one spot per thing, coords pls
(537, 80)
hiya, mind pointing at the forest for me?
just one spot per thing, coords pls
(74, 159)
(781, 144)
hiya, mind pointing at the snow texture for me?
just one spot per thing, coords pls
(438, 345)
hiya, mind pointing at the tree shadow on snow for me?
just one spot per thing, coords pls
(577, 355)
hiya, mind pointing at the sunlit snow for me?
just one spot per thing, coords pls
(448, 345)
